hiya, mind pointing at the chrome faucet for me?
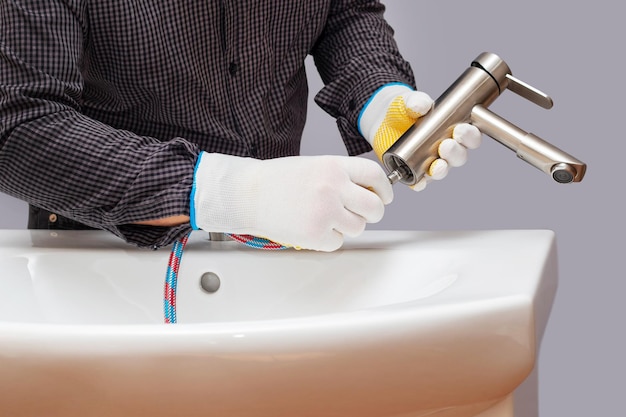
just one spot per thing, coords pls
(466, 101)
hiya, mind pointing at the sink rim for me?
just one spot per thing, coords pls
(452, 298)
(487, 340)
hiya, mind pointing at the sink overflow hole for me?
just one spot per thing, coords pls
(210, 282)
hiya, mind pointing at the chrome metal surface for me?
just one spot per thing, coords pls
(466, 101)
(561, 166)
(529, 92)
(217, 237)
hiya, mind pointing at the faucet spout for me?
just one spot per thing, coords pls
(560, 165)
(466, 100)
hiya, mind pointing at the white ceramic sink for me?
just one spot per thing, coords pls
(396, 324)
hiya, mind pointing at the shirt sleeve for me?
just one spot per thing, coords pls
(56, 158)
(355, 55)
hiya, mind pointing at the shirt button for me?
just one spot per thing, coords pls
(233, 68)
(52, 218)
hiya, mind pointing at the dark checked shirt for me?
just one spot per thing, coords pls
(105, 104)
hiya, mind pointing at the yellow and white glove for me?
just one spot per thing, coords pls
(393, 109)
(309, 202)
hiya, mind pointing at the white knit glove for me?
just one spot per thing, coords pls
(393, 109)
(308, 202)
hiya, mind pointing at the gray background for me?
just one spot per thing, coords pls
(573, 52)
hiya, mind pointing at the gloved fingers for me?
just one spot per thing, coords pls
(363, 203)
(332, 241)
(420, 185)
(417, 103)
(370, 176)
(438, 169)
(329, 236)
(453, 152)
(467, 135)
(350, 224)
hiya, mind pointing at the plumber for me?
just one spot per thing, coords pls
(152, 118)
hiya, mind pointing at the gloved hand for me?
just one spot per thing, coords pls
(393, 109)
(308, 202)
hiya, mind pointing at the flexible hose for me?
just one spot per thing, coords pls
(171, 279)
(176, 256)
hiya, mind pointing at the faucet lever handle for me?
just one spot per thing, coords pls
(529, 92)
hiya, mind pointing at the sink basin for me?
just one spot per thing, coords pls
(395, 324)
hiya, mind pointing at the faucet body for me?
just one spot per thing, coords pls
(466, 101)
